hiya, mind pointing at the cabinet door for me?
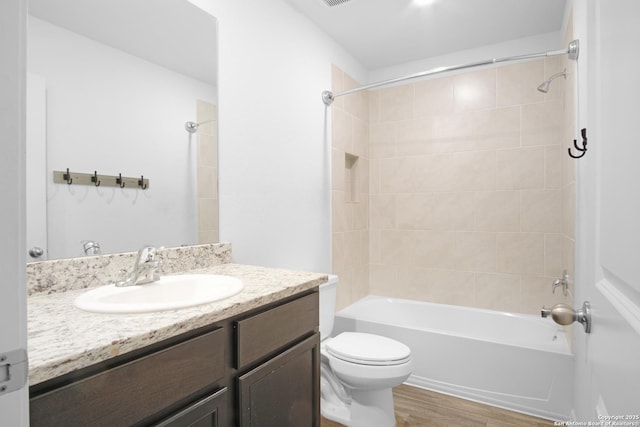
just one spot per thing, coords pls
(207, 412)
(284, 391)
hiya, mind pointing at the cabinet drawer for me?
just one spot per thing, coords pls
(128, 393)
(261, 335)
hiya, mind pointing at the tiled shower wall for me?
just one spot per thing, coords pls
(350, 190)
(207, 140)
(470, 190)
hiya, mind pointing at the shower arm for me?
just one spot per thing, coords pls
(572, 51)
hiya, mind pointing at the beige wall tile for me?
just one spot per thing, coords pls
(337, 252)
(374, 107)
(207, 182)
(382, 140)
(472, 171)
(475, 251)
(396, 103)
(516, 84)
(499, 128)
(542, 124)
(360, 138)
(342, 129)
(520, 253)
(207, 150)
(475, 90)
(374, 176)
(454, 211)
(382, 212)
(337, 170)
(339, 211)
(497, 210)
(497, 291)
(374, 247)
(415, 211)
(208, 237)
(337, 85)
(388, 280)
(441, 286)
(553, 265)
(397, 175)
(431, 249)
(208, 214)
(553, 166)
(520, 168)
(352, 102)
(434, 96)
(541, 211)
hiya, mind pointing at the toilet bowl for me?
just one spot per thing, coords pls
(358, 370)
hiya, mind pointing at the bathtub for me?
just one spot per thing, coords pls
(514, 361)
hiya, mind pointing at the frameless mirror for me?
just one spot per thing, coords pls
(111, 85)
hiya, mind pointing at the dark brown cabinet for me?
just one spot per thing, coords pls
(256, 369)
(283, 391)
(207, 412)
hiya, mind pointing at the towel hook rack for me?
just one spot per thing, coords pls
(583, 149)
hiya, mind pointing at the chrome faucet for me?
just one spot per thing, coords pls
(144, 269)
(564, 282)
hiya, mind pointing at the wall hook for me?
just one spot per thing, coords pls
(582, 150)
(141, 183)
(95, 179)
(120, 181)
(67, 177)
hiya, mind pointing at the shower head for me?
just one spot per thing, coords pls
(544, 87)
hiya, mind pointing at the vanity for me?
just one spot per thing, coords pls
(248, 360)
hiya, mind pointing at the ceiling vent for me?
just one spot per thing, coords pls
(332, 3)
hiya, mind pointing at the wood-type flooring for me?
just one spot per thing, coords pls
(416, 407)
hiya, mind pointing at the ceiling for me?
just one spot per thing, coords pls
(171, 33)
(383, 33)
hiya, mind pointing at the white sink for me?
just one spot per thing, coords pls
(169, 293)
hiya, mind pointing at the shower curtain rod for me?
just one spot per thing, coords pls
(572, 50)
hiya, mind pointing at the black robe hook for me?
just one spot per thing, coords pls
(582, 150)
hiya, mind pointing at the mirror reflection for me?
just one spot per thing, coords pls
(110, 88)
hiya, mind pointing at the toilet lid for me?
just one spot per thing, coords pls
(368, 349)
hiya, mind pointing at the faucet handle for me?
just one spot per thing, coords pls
(146, 254)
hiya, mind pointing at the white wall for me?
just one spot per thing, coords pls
(539, 43)
(274, 171)
(115, 113)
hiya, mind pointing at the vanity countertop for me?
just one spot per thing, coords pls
(63, 338)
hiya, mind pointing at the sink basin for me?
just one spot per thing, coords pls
(169, 293)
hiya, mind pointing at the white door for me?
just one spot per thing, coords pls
(607, 381)
(13, 317)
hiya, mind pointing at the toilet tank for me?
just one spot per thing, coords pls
(327, 306)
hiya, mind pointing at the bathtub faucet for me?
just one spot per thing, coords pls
(564, 282)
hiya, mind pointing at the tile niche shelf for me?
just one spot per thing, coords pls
(351, 178)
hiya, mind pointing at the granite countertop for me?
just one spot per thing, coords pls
(63, 338)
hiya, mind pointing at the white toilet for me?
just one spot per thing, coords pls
(358, 370)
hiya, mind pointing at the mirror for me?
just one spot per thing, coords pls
(111, 85)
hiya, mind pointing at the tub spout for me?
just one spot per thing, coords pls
(545, 312)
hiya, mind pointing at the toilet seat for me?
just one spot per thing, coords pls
(367, 349)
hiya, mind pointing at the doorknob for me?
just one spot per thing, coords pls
(36, 252)
(563, 314)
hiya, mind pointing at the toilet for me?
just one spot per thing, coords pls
(358, 370)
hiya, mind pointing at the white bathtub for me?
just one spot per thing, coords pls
(514, 361)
